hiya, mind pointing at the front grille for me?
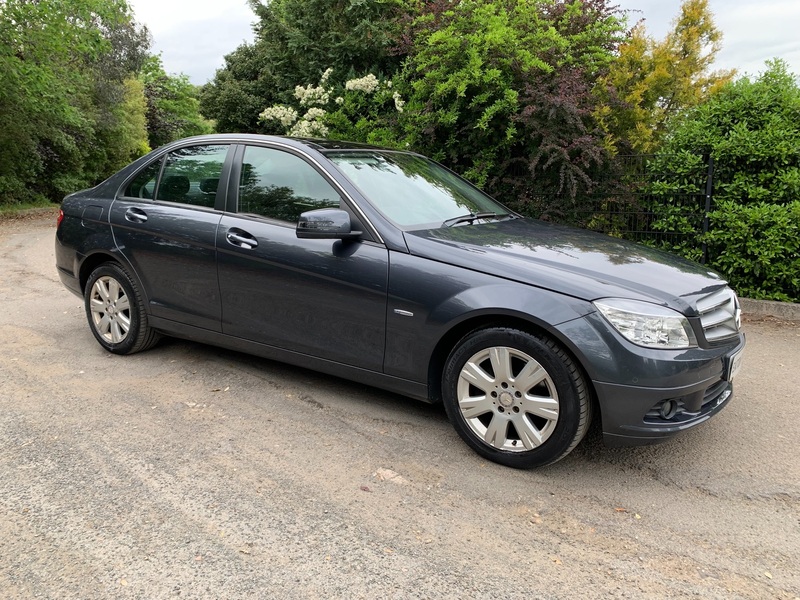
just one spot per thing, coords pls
(720, 315)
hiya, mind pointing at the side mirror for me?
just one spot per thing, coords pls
(325, 224)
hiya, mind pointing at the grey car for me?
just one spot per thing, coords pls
(386, 268)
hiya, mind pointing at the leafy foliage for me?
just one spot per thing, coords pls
(493, 89)
(125, 135)
(296, 41)
(758, 247)
(65, 69)
(369, 117)
(502, 88)
(172, 105)
(79, 93)
(751, 128)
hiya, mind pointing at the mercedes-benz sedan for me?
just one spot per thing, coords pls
(384, 267)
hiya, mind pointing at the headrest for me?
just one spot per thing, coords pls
(210, 185)
(174, 187)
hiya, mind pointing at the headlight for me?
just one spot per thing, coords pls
(648, 324)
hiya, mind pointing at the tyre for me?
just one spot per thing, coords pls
(517, 399)
(115, 311)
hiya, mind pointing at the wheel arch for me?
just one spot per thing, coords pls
(90, 263)
(459, 331)
(94, 260)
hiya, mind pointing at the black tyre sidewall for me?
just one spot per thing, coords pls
(116, 272)
(566, 429)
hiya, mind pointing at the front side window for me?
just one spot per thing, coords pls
(191, 175)
(279, 185)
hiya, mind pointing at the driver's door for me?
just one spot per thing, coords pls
(325, 298)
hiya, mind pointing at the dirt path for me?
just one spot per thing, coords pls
(193, 472)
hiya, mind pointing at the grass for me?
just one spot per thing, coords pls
(11, 210)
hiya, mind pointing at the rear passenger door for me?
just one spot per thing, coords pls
(165, 224)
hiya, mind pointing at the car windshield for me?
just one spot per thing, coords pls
(414, 192)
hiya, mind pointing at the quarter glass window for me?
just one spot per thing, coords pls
(191, 175)
(279, 185)
(144, 184)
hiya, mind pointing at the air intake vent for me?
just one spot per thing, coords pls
(720, 315)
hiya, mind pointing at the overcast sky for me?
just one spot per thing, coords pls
(194, 35)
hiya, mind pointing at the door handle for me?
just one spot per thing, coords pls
(135, 215)
(240, 238)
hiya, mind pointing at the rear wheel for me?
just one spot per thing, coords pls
(515, 398)
(115, 311)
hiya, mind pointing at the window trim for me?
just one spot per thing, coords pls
(237, 145)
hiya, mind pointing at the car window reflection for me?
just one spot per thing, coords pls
(280, 185)
(191, 175)
(410, 190)
(144, 184)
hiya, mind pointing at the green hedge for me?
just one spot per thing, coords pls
(758, 247)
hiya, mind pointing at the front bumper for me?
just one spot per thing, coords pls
(634, 416)
(648, 396)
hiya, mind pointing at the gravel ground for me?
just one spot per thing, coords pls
(191, 472)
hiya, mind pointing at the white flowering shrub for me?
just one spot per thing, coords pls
(318, 95)
(399, 103)
(310, 95)
(311, 125)
(314, 114)
(367, 84)
(352, 114)
(285, 115)
(308, 129)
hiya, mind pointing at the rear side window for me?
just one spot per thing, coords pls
(279, 185)
(191, 175)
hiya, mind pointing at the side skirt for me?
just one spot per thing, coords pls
(405, 387)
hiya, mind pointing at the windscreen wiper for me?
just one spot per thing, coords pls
(471, 218)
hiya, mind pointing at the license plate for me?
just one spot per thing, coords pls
(734, 364)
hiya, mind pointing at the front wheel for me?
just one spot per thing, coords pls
(115, 311)
(515, 398)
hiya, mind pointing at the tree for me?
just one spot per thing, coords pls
(123, 135)
(173, 109)
(239, 91)
(117, 99)
(501, 91)
(63, 67)
(752, 131)
(653, 81)
(296, 41)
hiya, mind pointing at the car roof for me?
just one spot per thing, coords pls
(318, 144)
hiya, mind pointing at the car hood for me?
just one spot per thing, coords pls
(571, 261)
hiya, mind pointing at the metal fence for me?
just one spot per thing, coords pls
(626, 206)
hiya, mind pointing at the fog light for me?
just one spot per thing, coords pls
(669, 409)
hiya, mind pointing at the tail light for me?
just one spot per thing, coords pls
(60, 218)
